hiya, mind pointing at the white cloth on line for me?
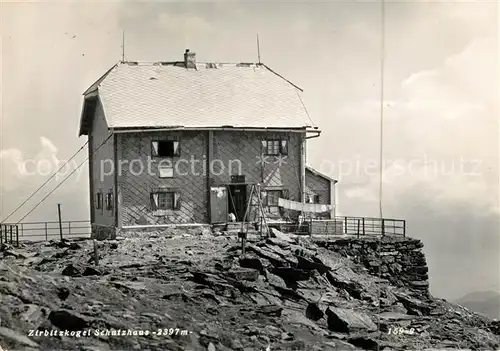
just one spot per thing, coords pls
(299, 206)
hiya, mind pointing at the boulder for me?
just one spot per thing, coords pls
(336, 345)
(293, 345)
(354, 288)
(73, 270)
(313, 312)
(364, 343)
(270, 310)
(273, 257)
(291, 274)
(15, 338)
(275, 280)
(243, 274)
(74, 246)
(89, 270)
(311, 264)
(14, 253)
(130, 286)
(346, 320)
(32, 314)
(252, 262)
(275, 233)
(63, 293)
(68, 320)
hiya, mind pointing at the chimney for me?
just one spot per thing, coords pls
(190, 59)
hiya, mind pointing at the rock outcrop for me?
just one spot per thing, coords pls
(400, 260)
(197, 292)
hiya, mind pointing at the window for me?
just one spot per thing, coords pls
(166, 170)
(109, 201)
(275, 147)
(165, 200)
(237, 179)
(165, 148)
(98, 205)
(272, 197)
(312, 199)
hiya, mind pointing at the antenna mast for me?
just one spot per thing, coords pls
(123, 45)
(382, 102)
(258, 48)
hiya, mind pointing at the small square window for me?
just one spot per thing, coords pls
(165, 200)
(275, 147)
(166, 171)
(165, 148)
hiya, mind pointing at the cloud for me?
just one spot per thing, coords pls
(452, 182)
(19, 169)
(437, 120)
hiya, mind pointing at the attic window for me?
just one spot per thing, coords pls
(275, 147)
(165, 148)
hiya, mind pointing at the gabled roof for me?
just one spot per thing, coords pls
(164, 95)
(319, 174)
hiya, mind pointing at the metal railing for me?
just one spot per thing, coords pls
(360, 226)
(344, 226)
(39, 231)
(9, 234)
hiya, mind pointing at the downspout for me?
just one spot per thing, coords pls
(333, 198)
(210, 155)
(116, 192)
(303, 170)
(91, 178)
(303, 154)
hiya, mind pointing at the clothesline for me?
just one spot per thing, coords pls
(304, 207)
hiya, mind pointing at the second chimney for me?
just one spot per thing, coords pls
(190, 59)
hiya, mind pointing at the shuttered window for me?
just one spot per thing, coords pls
(165, 148)
(275, 147)
(109, 201)
(165, 200)
(98, 204)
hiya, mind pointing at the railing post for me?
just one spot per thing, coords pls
(345, 225)
(46, 232)
(10, 229)
(363, 220)
(69, 228)
(404, 227)
(358, 227)
(17, 236)
(60, 223)
(383, 227)
(1, 235)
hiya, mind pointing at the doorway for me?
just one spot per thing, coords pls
(237, 200)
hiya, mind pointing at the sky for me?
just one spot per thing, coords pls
(440, 106)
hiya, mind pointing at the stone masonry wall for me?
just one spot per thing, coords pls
(399, 260)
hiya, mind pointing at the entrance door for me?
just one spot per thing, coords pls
(218, 204)
(237, 200)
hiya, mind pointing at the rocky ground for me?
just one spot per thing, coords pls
(194, 290)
